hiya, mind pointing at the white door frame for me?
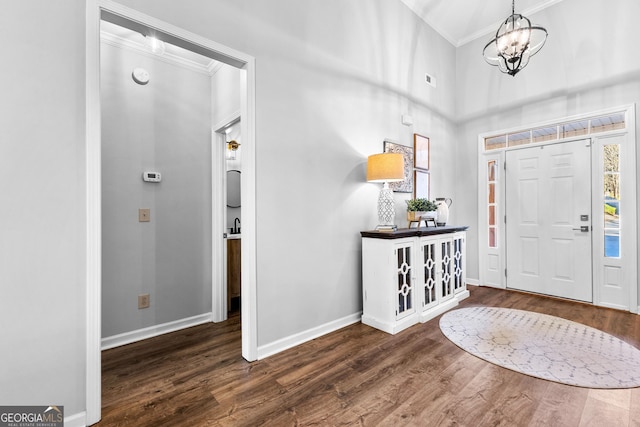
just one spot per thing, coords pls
(93, 189)
(492, 262)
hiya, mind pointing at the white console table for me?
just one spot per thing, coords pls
(411, 275)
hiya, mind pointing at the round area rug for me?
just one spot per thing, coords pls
(544, 346)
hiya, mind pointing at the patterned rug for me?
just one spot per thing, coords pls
(544, 346)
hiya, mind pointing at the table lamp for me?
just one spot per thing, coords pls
(385, 167)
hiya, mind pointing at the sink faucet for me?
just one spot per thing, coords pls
(236, 222)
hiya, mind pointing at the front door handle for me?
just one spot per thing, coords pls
(583, 229)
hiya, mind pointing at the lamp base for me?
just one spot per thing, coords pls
(386, 209)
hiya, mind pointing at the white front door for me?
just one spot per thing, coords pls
(548, 215)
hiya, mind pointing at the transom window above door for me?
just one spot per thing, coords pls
(557, 132)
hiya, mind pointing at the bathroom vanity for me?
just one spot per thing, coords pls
(411, 275)
(233, 272)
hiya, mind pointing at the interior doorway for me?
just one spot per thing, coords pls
(228, 135)
(548, 211)
(98, 10)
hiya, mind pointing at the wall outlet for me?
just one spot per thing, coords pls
(144, 215)
(143, 301)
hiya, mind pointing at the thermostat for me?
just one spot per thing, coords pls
(151, 177)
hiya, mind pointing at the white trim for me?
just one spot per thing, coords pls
(473, 282)
(218, 248)
(168, 58)
(390, 327)
(93, 184)
(575, 117)
(154, 331)
(93, 360)
(631, 142)
(248, 201)
(214, 67)
(495, 279)
(304, 336)
(222, 124)
(76, 420)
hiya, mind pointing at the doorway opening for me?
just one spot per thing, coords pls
(228, 136)
(97, 11)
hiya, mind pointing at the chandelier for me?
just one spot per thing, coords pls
(515, 42)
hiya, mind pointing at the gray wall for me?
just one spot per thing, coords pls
(332, 81)
(42, 204)
(162, 126)
(585, 66)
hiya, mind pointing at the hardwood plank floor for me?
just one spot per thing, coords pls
(355, 376)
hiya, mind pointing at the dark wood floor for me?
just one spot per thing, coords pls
(355, 376)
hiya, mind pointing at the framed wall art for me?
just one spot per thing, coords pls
(421, 150)
(405, 186)
(421, 184)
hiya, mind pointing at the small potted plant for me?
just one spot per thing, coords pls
(417, 208)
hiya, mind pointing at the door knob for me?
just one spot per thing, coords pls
(583, 229)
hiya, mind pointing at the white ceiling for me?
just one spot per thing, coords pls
(460, 21)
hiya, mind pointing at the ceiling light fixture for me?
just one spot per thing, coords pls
(155, 45)
(515, 42)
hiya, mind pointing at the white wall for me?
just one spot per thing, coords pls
(42, 204)
(586, 65)
(225, 95)
(332, 81)
(162, 126)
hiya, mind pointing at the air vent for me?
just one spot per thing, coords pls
(430, 80)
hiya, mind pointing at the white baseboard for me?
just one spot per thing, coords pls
(153, 331)
(76, 420)
(302, 337)
(474, 282)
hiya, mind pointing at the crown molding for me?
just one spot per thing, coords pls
(169, 58)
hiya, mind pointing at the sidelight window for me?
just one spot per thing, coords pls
(612, 202)
(492, 182)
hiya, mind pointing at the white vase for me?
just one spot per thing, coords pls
(443, 210)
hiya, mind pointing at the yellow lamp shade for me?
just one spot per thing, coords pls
(385, 167)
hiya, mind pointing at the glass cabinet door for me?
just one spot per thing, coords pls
(404, 280)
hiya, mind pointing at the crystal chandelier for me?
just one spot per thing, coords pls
(515, 42)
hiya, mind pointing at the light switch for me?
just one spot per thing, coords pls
(144, 215)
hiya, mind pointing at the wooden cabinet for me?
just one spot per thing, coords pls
(411, 277)
(233, 274)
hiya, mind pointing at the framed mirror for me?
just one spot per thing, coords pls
(233, 188)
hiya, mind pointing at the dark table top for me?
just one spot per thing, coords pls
(413, 232)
